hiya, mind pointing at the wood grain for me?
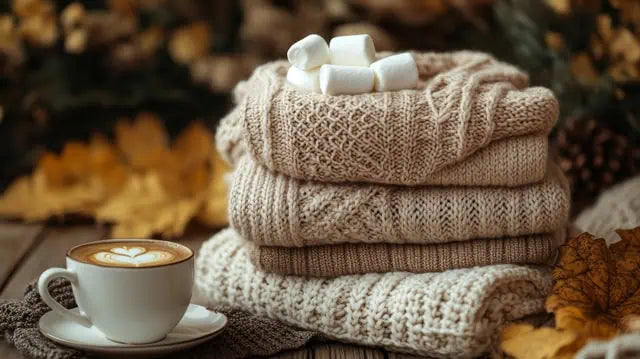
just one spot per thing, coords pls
(9, 352)
(15, 241)
(34, 249)
(344, 351)
(50, 252)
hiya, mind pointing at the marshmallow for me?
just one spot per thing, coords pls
(336, 80)
(395, 72)
(353, 50)
(308, 53)
(307, 80)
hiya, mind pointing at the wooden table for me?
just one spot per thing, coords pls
(26, 250)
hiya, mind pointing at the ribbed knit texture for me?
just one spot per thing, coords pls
(344, 259)
(246, 334)
(464, 101)
(456, 313)
(276, 210)
(513, 161)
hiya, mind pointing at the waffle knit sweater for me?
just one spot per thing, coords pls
(464, 101)
(513, 161)
(456, 313)
(276, 210)
(345, 259)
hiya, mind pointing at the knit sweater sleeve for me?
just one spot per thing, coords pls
(464, 101)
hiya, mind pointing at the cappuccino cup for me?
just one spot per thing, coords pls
(134, 291)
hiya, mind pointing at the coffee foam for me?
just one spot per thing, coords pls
(130, 253)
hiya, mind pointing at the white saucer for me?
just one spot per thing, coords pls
(196, 326)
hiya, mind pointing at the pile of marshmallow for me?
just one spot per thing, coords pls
(347, 66)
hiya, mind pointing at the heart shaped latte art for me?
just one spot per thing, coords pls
(132, 256)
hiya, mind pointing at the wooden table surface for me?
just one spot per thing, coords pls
(26, 250)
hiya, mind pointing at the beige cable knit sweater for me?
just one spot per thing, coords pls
(276, 210)
(456, 313)
(513, 161)
(345, 259)
(464, 101)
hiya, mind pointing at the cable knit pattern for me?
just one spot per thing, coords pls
(513, 161)
(464, 101)
(456, 313)
(344, 259)
(276, 210)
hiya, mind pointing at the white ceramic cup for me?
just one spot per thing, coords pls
(133, 305)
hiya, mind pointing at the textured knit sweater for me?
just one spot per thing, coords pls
(616, 208)
(276, 210)
(512, 161)
(345, 259)
(464, 101)
(456, 313)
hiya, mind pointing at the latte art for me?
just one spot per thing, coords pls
(136, 256)
(144, 253)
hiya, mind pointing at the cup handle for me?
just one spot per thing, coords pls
(43, 288)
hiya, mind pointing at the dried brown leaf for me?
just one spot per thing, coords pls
(523, 341)
(143, 186)
(143, 142)
(595, 287)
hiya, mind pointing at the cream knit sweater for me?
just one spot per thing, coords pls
(276, 210)
(513, 161)
(464, 102)
(456, 313)
(616, 208)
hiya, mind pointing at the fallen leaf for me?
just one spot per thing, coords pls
(523, 341)
(595, 287)
(144, 207)
(595, 295)
(194, 145)
(214, 209)
(144, 142)
(143, 185)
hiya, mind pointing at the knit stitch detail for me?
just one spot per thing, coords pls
(616, 208)
(513, 161)
(456, 313)
(275, 210)
(345, 259)
(464, 101)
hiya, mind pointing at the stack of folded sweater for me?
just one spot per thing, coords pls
(401, 219)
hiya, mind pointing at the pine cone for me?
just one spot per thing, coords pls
(594, 156)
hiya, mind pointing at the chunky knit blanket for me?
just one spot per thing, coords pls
(456, 313)
(464, 101)
(344, 259)
(513, 161)
(276, 210)
(246, 334)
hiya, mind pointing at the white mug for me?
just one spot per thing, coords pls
(133, 305)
